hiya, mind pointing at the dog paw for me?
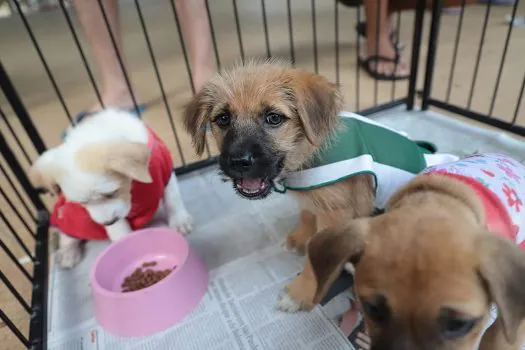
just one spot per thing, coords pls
(182, 222)
(286, 303)
(291, 245)
(68, 257)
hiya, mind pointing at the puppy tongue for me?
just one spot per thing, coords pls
(251, 184)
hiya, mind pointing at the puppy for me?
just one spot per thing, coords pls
(110, 175)
(279, 128)
(450, 244)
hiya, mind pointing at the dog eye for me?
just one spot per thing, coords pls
(223, 119)
(377, 310)
(274, 119)
(453, 327)
(110, 195)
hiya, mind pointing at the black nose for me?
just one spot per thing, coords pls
(242, 161)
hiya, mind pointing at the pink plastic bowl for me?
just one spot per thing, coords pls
(159, 306)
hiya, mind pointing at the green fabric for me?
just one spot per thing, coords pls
(357, 138)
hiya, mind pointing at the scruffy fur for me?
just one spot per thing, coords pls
(310, 104)
(424, 267)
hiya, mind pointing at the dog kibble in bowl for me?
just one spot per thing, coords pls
(144, 277)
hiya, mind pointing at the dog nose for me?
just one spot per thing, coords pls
(242, 162)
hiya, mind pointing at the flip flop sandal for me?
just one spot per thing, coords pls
(394, 36)
(356, 333)
(358, 337)
(81, 115)
(351, 3)
(366, 64)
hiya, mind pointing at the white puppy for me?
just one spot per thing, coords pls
(110, 175)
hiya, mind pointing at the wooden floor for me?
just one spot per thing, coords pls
(18, 56)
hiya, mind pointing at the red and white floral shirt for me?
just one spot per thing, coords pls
(499, 181)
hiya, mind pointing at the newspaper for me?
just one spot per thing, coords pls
(238, 312)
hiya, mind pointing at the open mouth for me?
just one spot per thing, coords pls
(253, 188)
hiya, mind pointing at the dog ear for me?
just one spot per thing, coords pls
(44, 173)
(123, 157)
(318, 102)
(131, 160)
(329, 250)
(502, 268)
(196, 114)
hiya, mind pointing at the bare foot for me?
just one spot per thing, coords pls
(388, 66)
(352, 326)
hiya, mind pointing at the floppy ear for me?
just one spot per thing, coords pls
(123, 157)
(318, 103)
(502, 267)
(330, 249)
(45, 172)
(196, 114)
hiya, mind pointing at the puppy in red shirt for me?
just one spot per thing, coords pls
(110, 176)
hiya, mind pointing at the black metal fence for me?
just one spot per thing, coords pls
(493, 79)
(42, 87)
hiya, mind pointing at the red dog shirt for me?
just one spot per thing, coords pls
(497, 180)
(74, 220)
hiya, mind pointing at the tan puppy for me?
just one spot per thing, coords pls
(427, 271)
(268, 121)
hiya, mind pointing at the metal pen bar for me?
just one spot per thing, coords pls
(500, 124)
(432, 51)
(20, 173)
(480, 51)
(378, 29)
(119, 57)
(455, 53)
(504, 56)
(42, 59)
(266, 34)
(17, 193)
(13, 328)
(518, 104)
(238, 26)
(181, 40)
(21, 112)
(15, 261)
(290, 30)
(81, 52)
(38, 323)
(314, 34)
(396, 44)
(336, 42)
(15, 235)
(159, 79)
(214, 40)
(357, 59)
(15, 293)
(15, 136)
(416, 52)
(15, 210)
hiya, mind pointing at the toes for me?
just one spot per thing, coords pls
(182, 222)
(287, 304)
(68, 257)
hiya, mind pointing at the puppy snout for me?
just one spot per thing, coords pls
(242, 162)
(111, 222)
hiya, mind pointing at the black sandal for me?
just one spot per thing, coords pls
(366, 65)
(354, 338)
(394, 36)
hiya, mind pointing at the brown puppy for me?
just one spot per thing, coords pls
(428, 270)
(268, 120)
